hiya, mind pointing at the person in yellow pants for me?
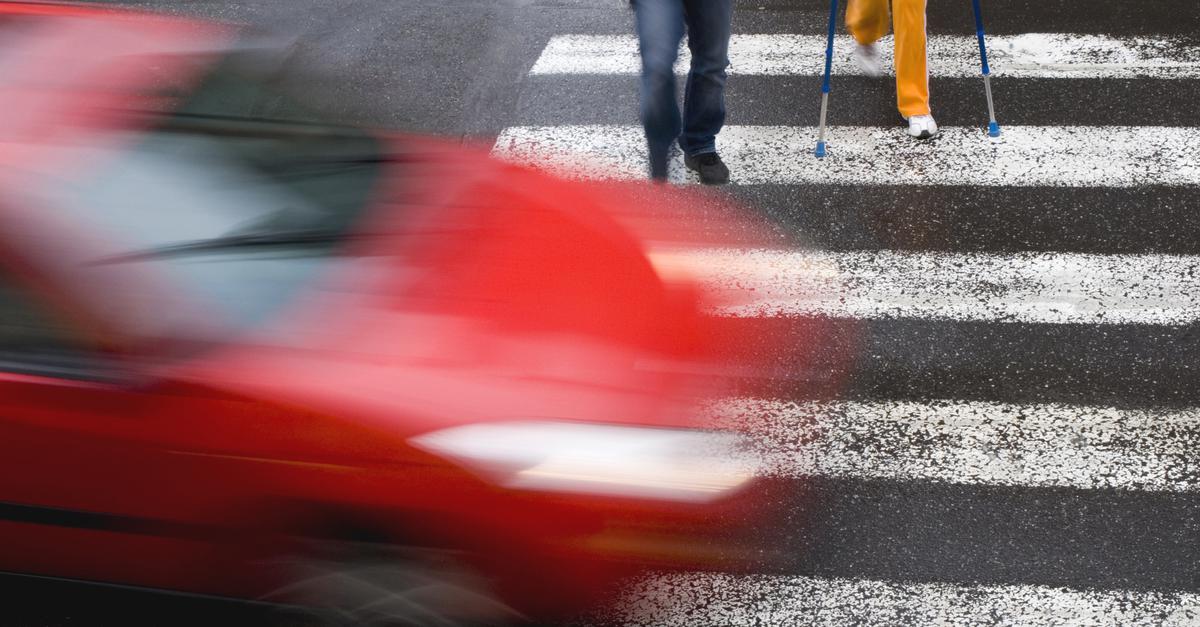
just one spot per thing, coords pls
(867, 21)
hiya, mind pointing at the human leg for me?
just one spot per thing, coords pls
(912, 74)
(867, 20)
(708, 26)
(660, 27)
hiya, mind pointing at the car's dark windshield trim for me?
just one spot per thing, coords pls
(218, 244)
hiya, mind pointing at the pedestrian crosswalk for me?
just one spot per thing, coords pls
(984, 443)
(715, 599)
(1049, 288)
(1034, 55)
(1025, 156)
(1047, 392)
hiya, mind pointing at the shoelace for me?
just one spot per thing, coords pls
(709, 159)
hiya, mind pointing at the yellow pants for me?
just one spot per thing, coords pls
(868, 22)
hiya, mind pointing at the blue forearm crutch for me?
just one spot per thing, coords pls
(993, 127)
(828, 69)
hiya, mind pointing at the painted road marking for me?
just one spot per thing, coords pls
(1031, 55)
(1069, 156)
(1026, 287)
(973, 443)
(688, 599)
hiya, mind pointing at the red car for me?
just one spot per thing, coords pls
(321, 365)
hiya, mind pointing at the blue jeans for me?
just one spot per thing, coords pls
(660, 28)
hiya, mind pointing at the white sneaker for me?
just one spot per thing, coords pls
(922, 126)
(867, 57)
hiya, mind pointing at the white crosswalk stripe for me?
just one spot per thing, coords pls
(1034, 55)
(686, 600)
(1052, 288)
(976, 443)
(1054, 156)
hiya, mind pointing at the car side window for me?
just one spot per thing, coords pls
(31, 340)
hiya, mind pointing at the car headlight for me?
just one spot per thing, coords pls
(641, 462)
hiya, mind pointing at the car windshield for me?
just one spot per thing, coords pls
(240, 212)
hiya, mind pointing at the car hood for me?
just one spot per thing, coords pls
(480, 291)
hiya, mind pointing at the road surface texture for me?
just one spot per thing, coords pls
(1018, 442)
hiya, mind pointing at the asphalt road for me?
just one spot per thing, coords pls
(1017, 509)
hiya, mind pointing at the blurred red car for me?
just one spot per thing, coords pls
(315, 364)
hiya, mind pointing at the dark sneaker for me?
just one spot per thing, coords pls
(712, 170)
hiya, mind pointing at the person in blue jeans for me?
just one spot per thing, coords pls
(660, 27)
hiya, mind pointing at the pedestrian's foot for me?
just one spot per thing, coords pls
(712, 170)
(922, 126)
(867, 57)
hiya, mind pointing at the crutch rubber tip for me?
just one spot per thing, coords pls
(820, 149)
(993, 129)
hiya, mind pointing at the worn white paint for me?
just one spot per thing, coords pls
(692, 599)
(1070, 156)
(1029, 287)
(1032, 55)
(974, 443)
